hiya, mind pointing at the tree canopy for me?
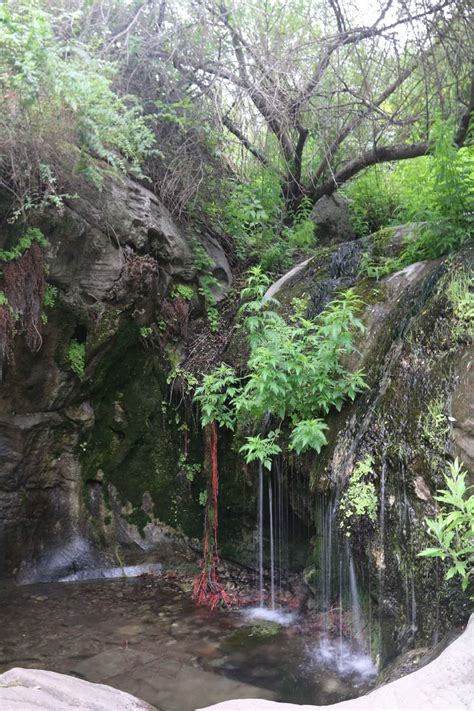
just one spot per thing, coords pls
(210, 90)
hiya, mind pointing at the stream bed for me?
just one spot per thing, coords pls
(144, 636)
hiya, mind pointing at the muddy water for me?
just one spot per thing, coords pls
(145, 637)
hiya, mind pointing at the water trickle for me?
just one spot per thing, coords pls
(272, 544)
(272, 534)
(260, 533)
(382, 504)
(413, 605)
(342, 643)
(355, 604)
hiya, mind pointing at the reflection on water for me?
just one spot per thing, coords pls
(144, 636)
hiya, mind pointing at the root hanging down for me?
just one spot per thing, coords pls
(207, 590)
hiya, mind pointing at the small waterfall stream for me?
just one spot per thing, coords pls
(260, 533)
(343, 643)
(272, 543)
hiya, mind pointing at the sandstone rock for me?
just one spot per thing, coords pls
(38, 690)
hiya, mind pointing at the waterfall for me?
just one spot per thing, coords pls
(338, 585)
(260, 533)
(355, 604)
(382, 518)
(329, 535)
(276, 527)
(272, 544)
(272, 538)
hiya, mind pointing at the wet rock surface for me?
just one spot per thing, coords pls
(113, 257)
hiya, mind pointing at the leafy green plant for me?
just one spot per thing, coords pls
(50, 87)
(360, 498)
(183, 291)
(32, 234)
(215, 397)
(251, 213)
(435, 425)
(261, 449)
(295, 369)
(435, 191)
(49, 300)
(189, 469)
(76, 354)
(294, 372)
(253, 216)
(374, 199)
(203, 263)
(453, 528)
(301, 233)
(145, 331)
(50, 296)
(187, 380)
(461, 296)
(308, 434)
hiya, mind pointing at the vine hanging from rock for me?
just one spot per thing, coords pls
(22, 293)
(207, 590)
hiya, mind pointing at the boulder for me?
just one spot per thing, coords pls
(332, 220)
(38, 690)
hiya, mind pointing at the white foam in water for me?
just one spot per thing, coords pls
(339, 655)
(264, 613)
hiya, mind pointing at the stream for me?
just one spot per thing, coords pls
(144, 636)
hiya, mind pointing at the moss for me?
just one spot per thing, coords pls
(139, 519)
(133, 442)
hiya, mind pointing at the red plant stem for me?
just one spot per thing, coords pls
(207, 590)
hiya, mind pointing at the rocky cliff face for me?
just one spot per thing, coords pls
(80, 456)
(416, 415)
(97, 462)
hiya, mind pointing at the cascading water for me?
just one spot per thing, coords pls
(272, 543)
(342, 643)
(272, 517)
(260, 533)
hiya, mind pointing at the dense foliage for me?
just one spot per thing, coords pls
(59, 113)
(295, 373)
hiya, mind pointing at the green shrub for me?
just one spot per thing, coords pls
(54, 93)
(360, 498)
(453, 528)
(76, 355)
(461, 296)
(286, 360)
(435, 425)
(32, 234)
(183, 291)
(374, 198)
(435, 191)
